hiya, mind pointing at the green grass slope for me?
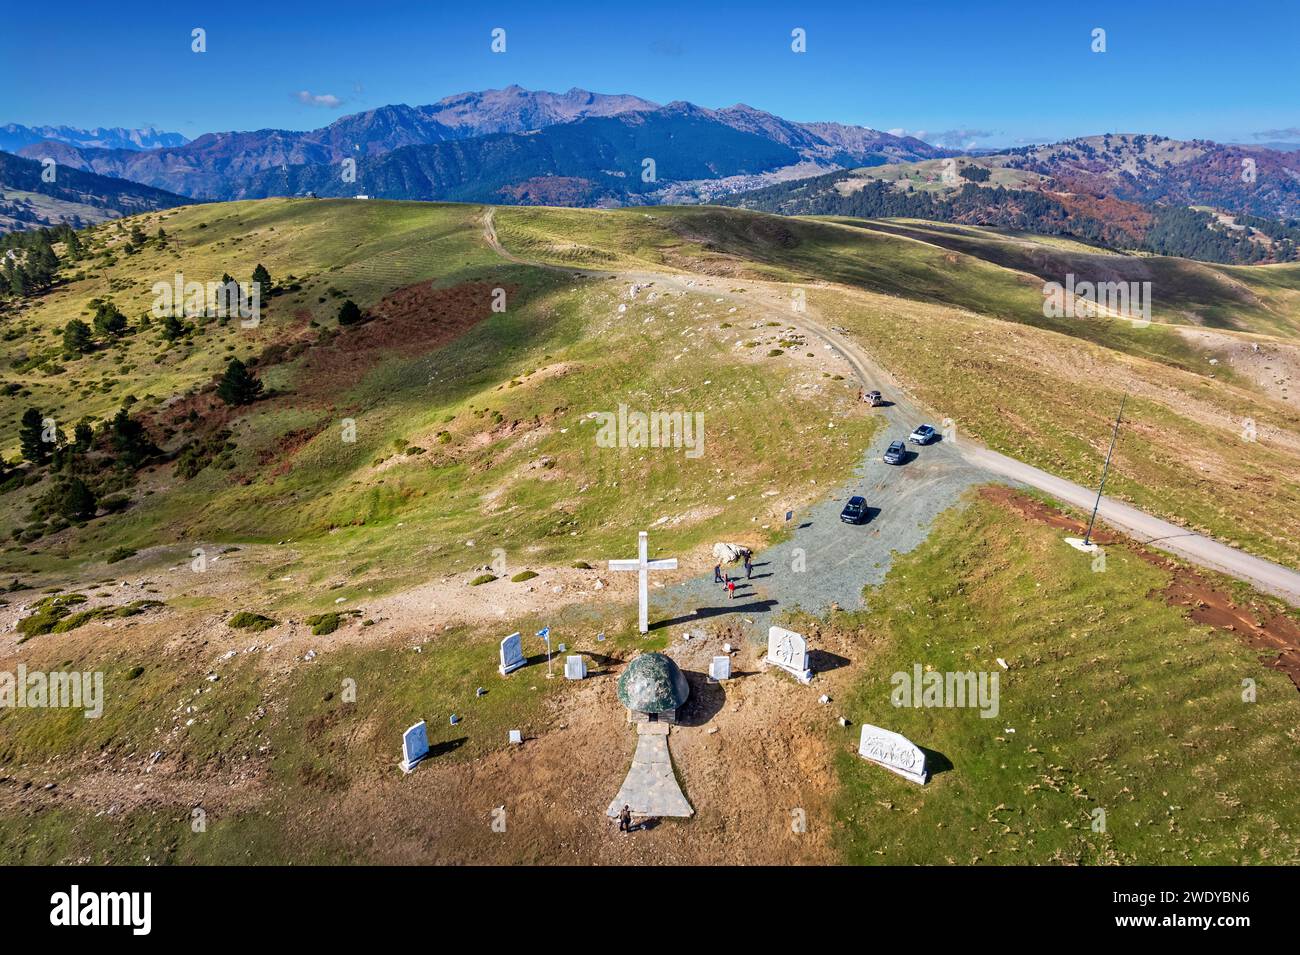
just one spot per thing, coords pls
(1113, 701)
(482, 433)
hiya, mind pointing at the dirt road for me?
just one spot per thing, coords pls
(905, 498)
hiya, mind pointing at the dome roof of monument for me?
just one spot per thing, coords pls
(652, 683)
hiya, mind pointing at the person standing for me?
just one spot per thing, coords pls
(717, 573)
(749, 567)
(625, 820)
(731, 590)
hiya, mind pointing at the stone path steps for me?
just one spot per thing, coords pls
(650, 788)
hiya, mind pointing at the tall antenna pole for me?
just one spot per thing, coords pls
(1087, 537)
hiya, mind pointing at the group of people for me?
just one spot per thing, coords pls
(722, 577)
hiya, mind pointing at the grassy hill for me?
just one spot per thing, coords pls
(447, 395)
(469, 424)
(954, 314)
(473, 435)
(1114, 703)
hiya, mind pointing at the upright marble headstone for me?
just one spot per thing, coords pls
(720, 669)
(789, 651)
(415, 746)
(512, 654)
(896, 753)
(516, 737)
(575, 668)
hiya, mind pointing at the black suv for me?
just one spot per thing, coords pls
(855, 512)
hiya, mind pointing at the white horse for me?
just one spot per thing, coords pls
(730, 553)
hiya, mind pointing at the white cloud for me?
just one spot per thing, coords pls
(327, 100)
(960, 138)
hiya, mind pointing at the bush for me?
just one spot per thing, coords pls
(523, 575)
(324, 623)
(118, 554)
(72, 500)
(247, 620)
(127, 610)
(199, 453)
(482, 579)
(47, 613)
(115, 503)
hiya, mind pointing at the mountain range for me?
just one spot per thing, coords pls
(14, 137)
(219, 166)
(1221, 202)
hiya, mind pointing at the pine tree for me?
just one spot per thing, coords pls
(237, 386)
(172, 328)
(77, 339)
(263, 278)
(83, 437)
(130, 440)
(31, 436)
(109, 321)
(349, 313)
(77, 503)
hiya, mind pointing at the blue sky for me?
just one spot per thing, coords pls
(976, 72)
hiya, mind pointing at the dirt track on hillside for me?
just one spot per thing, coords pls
(906, 411)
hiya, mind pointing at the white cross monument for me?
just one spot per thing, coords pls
(642, 565)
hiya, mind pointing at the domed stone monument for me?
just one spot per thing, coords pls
(653, 688)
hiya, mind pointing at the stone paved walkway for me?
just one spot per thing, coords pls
(650, 788)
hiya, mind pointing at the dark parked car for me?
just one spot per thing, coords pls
(923, 435)
(896, 453)
(855, 512)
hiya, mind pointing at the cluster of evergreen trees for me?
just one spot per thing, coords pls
(86, 470)
(1177, 230)
(30, 263)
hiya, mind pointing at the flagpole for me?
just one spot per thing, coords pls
(1087, 537)
(545, 634)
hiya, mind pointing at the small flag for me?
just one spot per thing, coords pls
(545, 634)
(789, 515)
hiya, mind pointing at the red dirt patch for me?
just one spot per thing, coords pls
(410, 320)
(550, 191)
(287, 447)
(1035, 510)
(1257, 625)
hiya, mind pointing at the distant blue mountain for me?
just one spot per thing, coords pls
(14, 137)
